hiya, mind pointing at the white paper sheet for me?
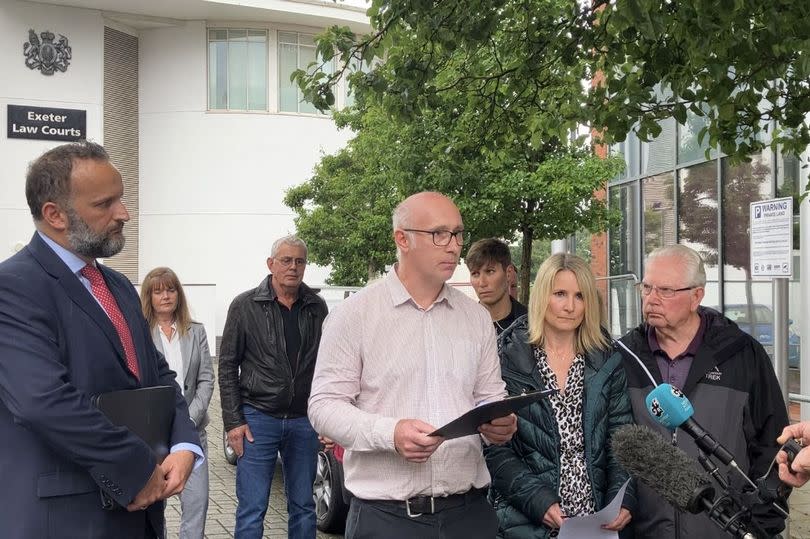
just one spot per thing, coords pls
(590, 526)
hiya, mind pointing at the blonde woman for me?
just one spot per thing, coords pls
(185, 345)
(559, 463)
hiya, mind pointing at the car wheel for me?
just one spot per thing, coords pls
(327, 490)
(230, 454)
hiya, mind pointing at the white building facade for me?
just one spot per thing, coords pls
(192, 98)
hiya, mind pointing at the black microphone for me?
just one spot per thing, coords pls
(672, 474)
(669, 406)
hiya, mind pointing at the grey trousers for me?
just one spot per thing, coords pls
(194, 498)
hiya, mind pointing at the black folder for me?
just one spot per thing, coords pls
(468, 423)
(147, 412)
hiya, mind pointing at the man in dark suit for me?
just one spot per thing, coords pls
(71, 329)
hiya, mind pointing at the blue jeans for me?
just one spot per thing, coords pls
(297, 442)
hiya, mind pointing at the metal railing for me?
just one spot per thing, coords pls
(622, 302)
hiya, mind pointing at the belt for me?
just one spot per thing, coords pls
(428, 505)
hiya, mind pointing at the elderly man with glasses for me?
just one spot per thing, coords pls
(266, 360)
(725, 373)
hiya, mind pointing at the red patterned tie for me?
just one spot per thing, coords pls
(107, 301)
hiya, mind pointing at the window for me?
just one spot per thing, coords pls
(295, 51)
(698, 220)
(688, 147)
(658, 155)
(237, 69)
(658, 203)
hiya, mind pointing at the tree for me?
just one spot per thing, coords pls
(476, 120)
(343, 211)
(740, 64)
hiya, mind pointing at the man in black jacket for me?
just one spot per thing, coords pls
(491, 271)
(266, 360)
(725, 373)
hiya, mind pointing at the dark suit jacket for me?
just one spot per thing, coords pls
(58, 349)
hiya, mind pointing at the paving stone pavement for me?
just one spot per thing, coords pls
(222, 493)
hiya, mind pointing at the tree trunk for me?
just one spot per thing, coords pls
(525, 265)
(372, 273)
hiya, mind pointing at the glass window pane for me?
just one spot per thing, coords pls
(306, 55)
(698, 217)
(236, 35)
(218, 75)
(217, 34)
(237, 75)
(623, 299)
(658, 155)
(288, 91)
(658, 203)
(742, 184)
(688, 147)
(623, 247)
(632, 155)
(257, 35)
(306, 39)
(257, 76)
(288, 37)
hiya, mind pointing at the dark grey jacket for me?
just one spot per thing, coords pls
(737, 399)
(253, 364)
(526, 471)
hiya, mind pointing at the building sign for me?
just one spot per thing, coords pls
(772, 238)
(46, 124)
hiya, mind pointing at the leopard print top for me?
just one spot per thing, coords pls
(575, 485)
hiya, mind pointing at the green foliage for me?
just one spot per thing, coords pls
(743, 65)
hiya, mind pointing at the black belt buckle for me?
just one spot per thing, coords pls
(413, 514)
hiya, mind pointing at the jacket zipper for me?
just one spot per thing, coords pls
(676, 512)
(292, 374)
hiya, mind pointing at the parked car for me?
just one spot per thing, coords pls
(761, 328)
(331, 498)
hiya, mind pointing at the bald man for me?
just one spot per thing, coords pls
(397, 360)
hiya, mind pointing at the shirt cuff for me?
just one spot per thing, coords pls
(197, 450)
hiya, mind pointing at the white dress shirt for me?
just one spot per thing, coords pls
(383, 358)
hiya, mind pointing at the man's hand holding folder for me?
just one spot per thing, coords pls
(499, 430)
(149, 413)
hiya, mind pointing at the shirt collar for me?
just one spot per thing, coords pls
(400, 295)
(71, 260)
(691, 350)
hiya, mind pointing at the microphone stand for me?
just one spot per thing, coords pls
(723, 511)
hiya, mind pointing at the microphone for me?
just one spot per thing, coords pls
(669, 406)
(672, 474)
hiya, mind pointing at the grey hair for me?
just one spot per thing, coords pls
(292, 240)
(401, 216)
(48, 178)
(695, 269)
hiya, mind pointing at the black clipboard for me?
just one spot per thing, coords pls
(468, 423)
(147, 412)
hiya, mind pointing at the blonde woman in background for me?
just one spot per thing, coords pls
(185, 345)
(559, 464)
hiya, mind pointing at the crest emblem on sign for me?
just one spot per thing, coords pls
(42, 53)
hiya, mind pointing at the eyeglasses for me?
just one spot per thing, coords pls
(663, 291)
(441, 238)
(289, 261)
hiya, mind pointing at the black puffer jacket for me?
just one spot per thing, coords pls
(526, 471)
(253, 364)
